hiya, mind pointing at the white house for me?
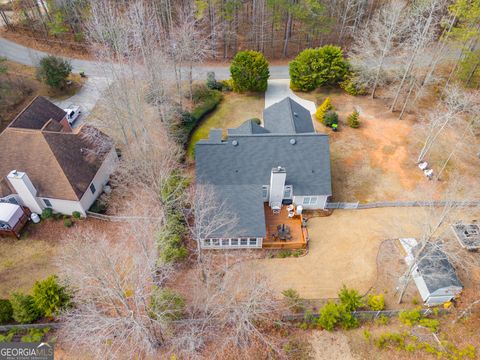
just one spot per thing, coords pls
(47, 165)
(285, 162)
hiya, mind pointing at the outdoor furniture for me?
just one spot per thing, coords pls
(12, 219)
(291, 214)
(290, 208)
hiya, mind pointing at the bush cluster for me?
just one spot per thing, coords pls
(249, 70)
(294, 302)
(48, 298)
(323, 110)
(54, 71)
(352, 87)
(205, 102)
(166, 303)
(170, 239)
(313, 68)
(376, 302)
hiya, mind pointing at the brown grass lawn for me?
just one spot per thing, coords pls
(20, 85)
(231, 112)
(32, 258)
(376, 161)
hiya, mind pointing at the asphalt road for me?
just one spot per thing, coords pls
(31, 57)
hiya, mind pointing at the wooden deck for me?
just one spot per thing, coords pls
(299, 234)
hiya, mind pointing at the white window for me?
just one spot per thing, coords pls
(206, 242)
(253, 242)
(224, 242)
(309, 200)
(265, 192)
(244, 241)
(47, 203)
(234, 242)
(287, 192)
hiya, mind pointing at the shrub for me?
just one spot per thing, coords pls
(351, 87)
(167, 304)
(350, 299)
(282, 254)
(212, 83)
(207, 104)
(47, 213)
(227, 85)
(432, 324)
(35, 335)
(249, 71)
(376, 302)
(68, 222)
(50, 297)
(323, 109)
(312, 68)
(8, 337)
(54, 71)
(76, 215)
(293, 300)
(98, 207)
(172, 253)
(410, 317)
(330, 315)
(352, 119)
(331, 118)
(6, 311)
(347, 320)
(24, 309)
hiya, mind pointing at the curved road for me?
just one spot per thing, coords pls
(31, 57)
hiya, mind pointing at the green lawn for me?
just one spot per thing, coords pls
(231, 112)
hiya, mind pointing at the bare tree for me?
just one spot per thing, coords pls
(228, 308)
(378, 41)
(208, 216)
(114, 281)
(455, 104)
(436, 242)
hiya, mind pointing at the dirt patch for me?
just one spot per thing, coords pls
(342, 250)
(374, 162)
(330, 346)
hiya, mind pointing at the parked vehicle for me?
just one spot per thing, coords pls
(73, 112)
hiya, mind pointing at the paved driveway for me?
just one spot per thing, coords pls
(342, 250)
(279, 89)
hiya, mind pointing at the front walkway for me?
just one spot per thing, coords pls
(279, 89)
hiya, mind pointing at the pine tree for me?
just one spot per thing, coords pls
(353, 120)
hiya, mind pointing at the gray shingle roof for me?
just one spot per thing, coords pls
(251, 161)
(287, 117)
(436, 269)
(249, 127)
(238, 166)
(242, 200)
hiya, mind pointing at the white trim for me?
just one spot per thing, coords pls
(232, 243)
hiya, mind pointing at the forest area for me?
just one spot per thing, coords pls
(278, 28)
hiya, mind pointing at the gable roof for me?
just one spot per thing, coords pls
(249, 127)
(37, 114)
(287, 117)
(61, 165)
(436, 270)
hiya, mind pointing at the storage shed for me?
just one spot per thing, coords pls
(433, 274)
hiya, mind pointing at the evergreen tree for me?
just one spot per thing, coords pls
(249, 71)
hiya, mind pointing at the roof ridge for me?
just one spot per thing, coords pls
(291, 113)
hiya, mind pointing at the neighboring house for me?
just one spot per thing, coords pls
(47, 165)
(283, 162)
(433, 274)
(468, 235)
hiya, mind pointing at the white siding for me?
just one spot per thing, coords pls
(100, 180)
(66, 207)
(320, 203)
